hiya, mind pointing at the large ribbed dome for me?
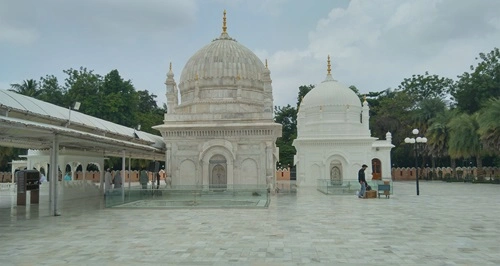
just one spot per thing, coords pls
(223, 57)
(226, 78)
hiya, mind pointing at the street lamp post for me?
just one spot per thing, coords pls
(416, 143)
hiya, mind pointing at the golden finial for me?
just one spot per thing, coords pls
(266, 62)
(196, 76)
(170, 66)
(224, 27)
(329, 69)
(364, 98)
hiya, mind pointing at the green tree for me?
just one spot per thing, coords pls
(464, 141)
(120, 100)
(474, 89)
(50, 91)
(489, 126)
(438, 135)
(7, 154)
(399, 123)
(426, 86)
(355, 89)
(148, 113)
(287, 117)
(85, 87)
(426, 110)
(303, 90)
(387, 120)
(29, 87)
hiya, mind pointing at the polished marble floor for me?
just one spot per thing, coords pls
(448, 224)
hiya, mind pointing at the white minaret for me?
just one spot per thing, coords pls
(366, 116)
(171, 91)
(268, 90)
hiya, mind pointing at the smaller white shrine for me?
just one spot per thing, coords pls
(40, 159)
(334, 139)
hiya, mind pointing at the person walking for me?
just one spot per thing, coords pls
(362, 181)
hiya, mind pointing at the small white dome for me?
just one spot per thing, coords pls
(330, 92)
(329, 110)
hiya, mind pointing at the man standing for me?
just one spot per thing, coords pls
(362, 181)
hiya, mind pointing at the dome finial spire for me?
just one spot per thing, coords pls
(170, 66)
(224, 27)
(329, 69)
(266, 62)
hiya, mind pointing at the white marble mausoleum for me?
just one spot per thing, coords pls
(334, 139)
(219, 129)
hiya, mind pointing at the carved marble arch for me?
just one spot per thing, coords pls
(218, 172)
(336, 177)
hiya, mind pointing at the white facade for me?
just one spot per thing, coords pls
(334, 139)
(219, 129)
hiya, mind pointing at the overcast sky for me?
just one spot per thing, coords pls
(374, 44)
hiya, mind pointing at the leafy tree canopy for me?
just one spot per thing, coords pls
(475, 88)
(420, 87)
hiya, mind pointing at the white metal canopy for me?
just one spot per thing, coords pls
(29, 123)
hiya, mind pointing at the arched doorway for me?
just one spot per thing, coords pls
(376, 169)
(336, 173)
(218, 172)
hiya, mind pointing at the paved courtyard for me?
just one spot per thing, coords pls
(448, 224)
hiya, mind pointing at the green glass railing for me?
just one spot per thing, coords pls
(229, 196)
(348, 187)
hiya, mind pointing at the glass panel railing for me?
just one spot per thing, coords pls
(184, 196)
(286, 186)
(340, 188)
(351, 187)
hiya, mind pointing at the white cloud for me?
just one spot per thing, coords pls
(16, 35)
(108, 18)
(146, 15)
(5, 85)
(268, 7)
(376, 44)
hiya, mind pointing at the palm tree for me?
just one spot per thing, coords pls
(29, 87)
(438, 134)
(489, 126)
(464, 141)
(426, 110)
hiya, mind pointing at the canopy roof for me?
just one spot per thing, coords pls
(26, 122)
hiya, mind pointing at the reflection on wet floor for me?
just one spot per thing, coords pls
(448, 224)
